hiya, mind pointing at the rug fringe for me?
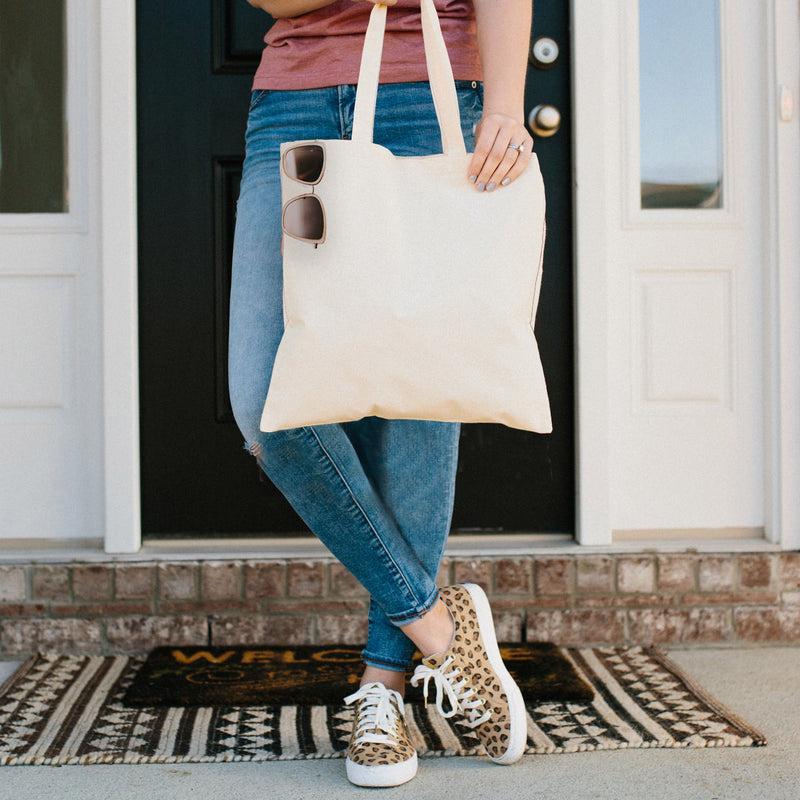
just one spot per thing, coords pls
(657, 653)
(18, 675)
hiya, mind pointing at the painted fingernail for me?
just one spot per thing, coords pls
(505, 181)
(473, 178)
(481, 186)
(491, 187)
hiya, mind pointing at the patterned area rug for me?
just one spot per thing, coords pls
(68, 710)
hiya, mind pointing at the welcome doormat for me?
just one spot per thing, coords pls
(309, 675)
(62, 709)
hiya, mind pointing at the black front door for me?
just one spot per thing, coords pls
(195, 62)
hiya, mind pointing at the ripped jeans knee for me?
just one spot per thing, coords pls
(256, 449)
(276, 444)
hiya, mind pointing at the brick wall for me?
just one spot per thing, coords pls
(114, 607)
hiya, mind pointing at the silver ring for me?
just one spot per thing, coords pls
(518, 147)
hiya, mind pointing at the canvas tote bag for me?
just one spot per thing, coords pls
(409, 295)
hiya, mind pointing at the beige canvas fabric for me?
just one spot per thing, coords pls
(421, 301)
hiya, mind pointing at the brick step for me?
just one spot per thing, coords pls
(129, 607)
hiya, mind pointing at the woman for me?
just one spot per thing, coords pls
(379, 493)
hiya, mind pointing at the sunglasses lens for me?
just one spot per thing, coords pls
(304, 218)
(304, 163)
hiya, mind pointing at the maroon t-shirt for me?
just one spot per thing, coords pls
(323, 47)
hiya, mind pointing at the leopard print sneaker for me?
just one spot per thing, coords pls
(471, 674)
(380, 752)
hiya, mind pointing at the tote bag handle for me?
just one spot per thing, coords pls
(440, 74)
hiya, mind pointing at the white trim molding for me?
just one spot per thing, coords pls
(594, 32)
(782, 295)
(119, 270)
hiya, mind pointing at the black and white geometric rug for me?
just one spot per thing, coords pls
(60, 709)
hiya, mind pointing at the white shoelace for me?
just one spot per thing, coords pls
(376, 714)
(460, 695)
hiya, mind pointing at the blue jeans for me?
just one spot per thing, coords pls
(378, 493)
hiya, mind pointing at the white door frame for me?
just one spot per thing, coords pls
(119, 267)
(782, 298)
(595, 36)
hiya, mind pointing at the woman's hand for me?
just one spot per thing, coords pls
(503, 149)
(378, 2)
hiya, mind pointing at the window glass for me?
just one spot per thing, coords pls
(33, 126)
(680, 102)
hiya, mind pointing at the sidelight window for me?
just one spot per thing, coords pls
(680, 104)
(33, 123)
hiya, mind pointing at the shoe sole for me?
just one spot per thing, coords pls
(518, 726)
(381, 774)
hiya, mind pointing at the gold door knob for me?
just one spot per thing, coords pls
(544, 120)
(544, 53)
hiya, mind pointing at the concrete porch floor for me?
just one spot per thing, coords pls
(762, 685)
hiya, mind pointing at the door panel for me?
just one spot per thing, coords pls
(51, 348)
(671, 266)
(194, 72)
(687, 336)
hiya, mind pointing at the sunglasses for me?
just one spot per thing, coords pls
(303, 217)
